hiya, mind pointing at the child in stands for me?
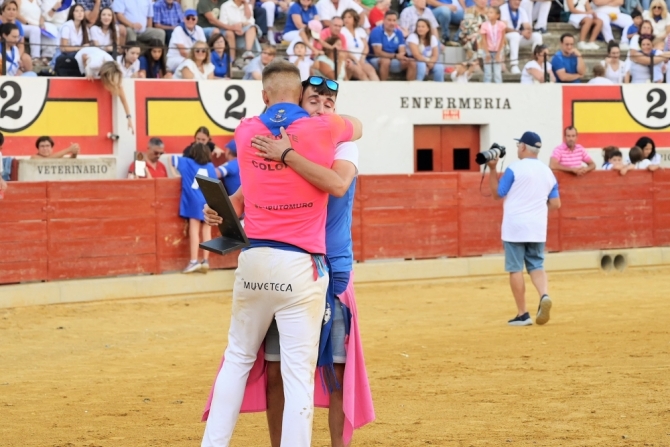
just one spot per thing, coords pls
(129, 60)
(192, 201)
(637, 159)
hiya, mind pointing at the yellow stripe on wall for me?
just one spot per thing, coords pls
(604, 117)
(179, 119)
(65, 118)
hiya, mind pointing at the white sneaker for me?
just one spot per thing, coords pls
(271, 38)
(515, 70)
(593, 45)
(584, 46)
(624, 47)
(193, 266)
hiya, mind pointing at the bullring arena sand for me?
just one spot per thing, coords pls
(445, 368)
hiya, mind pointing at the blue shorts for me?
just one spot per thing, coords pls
(518, 253)
(396, 66)
(272, 353)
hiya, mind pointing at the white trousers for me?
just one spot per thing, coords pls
(269, 8)
(49, 45)
(541, 14)
(271, 283)
(622, 20)
(515, 40)
(33, 34)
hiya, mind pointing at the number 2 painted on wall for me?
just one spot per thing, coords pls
(241, 96)
(660, 102)
(14, 99)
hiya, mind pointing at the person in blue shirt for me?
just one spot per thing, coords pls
(220, 60)
(449, 12)
(568, 64)
(299, 14)
(388, 51)
(231, 169)
(192, 201)
(152, 62)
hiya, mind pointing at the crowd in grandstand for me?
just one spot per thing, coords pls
(344, 39)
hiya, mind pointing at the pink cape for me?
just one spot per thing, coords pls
(358, 407)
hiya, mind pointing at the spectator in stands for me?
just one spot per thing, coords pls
(74, 34)
(335, 29)
(255, 68)
(599, 76)
(335, 8)
(301, 60)
(615, 70)
(30, 16)
(568, 64)
(129, 61)
(192, 201)
(585, 20)
(230, 170)
(152, 62)
(493, 40)
(641, 61)
(311, 37)
(388, 51)
(183, 38)
(637, 159)
(424, 48)
(658, 16)
(649, 150)
(198, 65)
(45, 149)
(473, 18)
(613, 160)
(570, 156)
(519, 31)
(447, 12)
(376, 15)
(105, 34)
(539, 70)
(272, 7)
(299, 14)
(324, 65)
(93, 8)
(412, 14)
(217, 47)
(608, 11)
(202, 136)
(238, 16)
(10, 10)
(137, 17)
(168, 15)
(154, 168)
(55, 15)
(631, 29)
(463, 72)
(14, 67)
(538, 11)
(357, 45)
(646, 29)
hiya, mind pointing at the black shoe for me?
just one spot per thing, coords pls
(543, 310)
(521, 320)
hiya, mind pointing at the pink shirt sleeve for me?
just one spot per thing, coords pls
(585, 156)
(556, 153)
(341, 129)
(483, 28)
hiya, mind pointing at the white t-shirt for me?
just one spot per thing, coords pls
(59, 17)
(128, 72)
(644, 164)
(355, 43)
(464, 78)
(618, 76)
(600, 80)
(304, 66)
(103, 39)
(347, 151)
(96, 58)
(639, 74)
(327, 10)
(656, 159)
(68, 31)
(289, 49)
(425, 51)
(180, 37)
(31, 11)
(506, 17)
(526, 186)
(197, 74)
(526, 77)
(13, 61)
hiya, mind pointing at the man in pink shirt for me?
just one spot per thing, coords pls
(570, 156)
(283, 274)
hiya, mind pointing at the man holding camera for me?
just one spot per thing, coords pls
(530, 190)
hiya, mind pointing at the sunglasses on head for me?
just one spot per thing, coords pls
(318, 80)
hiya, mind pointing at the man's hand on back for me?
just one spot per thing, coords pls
(269, 147)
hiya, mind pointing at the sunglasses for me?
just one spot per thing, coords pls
(191, 18)
(318, 80)
(200, 50)
(656, 7)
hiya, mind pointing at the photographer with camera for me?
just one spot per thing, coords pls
(530, 190)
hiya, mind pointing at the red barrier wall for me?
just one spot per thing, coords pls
(63, 230)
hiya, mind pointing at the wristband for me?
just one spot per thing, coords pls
(283, 155)
(128, 116)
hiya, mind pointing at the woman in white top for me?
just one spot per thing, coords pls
(324, 65)
(639, 71)
(649, 150)
(54, 18)
(659, 18)
(182, 40)
(197, 66)
(105, 34)
(584, 19)
(424, 48)
(129, 61)
(30, 16)
(533, 71)
(357, 45)
(615, 69)
(74, 33)
(9, 11)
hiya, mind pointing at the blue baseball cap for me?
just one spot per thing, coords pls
(190, 12)
(232, 146)
(530, 139)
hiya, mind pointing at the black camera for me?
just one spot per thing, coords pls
(496, 151)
